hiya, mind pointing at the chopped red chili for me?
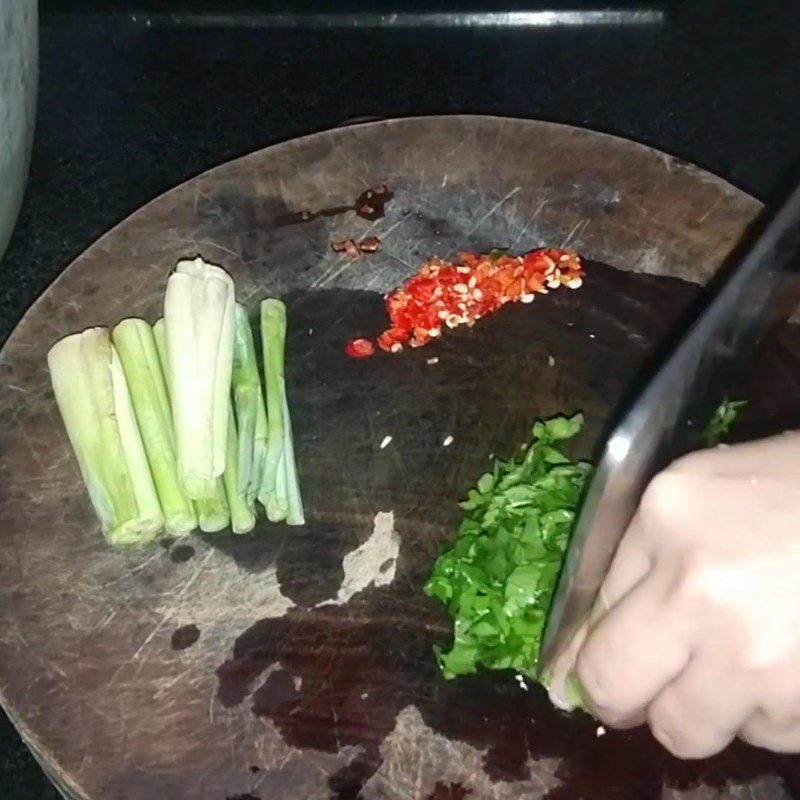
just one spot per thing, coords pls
(354, 249)
(369, 245)
(445, 293)
(359, 348)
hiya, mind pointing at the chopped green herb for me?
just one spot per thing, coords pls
(722, 421)
(498, 578)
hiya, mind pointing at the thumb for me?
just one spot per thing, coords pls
(629, 566)
(560, 678)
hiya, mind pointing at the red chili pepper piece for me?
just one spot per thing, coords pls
(359, 348)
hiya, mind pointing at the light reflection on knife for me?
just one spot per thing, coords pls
(669, 414)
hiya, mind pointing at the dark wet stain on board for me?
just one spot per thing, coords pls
(394, 668)
(369, 205)
(449, 791)
(299, 217)
(346, 783)
(182, 553)
(360, 665)
(184, 637)
(277, 694)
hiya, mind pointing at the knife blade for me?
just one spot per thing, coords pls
(669, 414)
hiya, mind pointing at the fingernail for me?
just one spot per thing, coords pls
(573, 692)
(546, 676)
(566, 694)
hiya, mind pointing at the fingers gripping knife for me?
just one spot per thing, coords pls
(668, 415)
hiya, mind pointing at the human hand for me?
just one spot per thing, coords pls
(696, 630)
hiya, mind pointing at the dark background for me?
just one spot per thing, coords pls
(138, 96)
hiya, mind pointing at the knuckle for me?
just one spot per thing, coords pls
(704, 587)
(678, 744)
(675, 723)
(674, 737)
(691, 462)
(781, 733)
(689, 584)
(662, 497)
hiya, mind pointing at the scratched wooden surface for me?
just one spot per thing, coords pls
(298, 663)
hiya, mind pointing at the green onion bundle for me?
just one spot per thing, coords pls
(169, 423)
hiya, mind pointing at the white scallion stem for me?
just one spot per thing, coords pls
(92, 396)
(212, 510)
(134, 342)
(243, 518)
(277, 502)
(199, 319)
(143, 487)
(160, 338)
(213, 513)
(280, 489)
(273, 335)
(246, 391)
(259, 450)
(295, 514)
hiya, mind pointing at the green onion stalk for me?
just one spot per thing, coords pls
(135, 344)
(95, 404)
(248, 405)
(243, 517)
(199, 318)
(212, 509)
(280, 491)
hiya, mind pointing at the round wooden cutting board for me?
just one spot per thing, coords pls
(297, 664)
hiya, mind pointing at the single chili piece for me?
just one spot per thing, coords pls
(359, 348)
(369, 245)
(354, 249)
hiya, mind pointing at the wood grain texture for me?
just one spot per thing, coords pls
(282, 695)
